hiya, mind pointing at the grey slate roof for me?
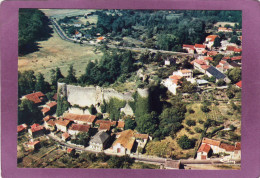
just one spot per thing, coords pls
(216, 73)
(100, 137)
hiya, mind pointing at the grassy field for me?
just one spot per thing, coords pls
(56, 52)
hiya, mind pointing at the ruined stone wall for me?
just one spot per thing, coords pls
(87, 96)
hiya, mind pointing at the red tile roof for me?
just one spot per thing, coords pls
(79, 127)
(231, 48)
(208, 58)
(175, 77)
(69, 150)
(101, 38)
(104, 126)
(126, 139)
(239, 84)
(55, 97)
(222, 62)
(200, 46)
(188, 46)
(45, 110)
(35, 125)
(225, 58)
(212, 37)
(204, 148)
(238, 50)
(121, 124)
(205, 67)
(33, 143)
(48, 118)
(236, 58)
(200, 61)
(212, 53)
(141, 136)
(21, 128)
(218, 66)
(211, 142)
(185, 71)
(62, 122)
(227, 147)
(51, 122)
(237, 146)
(83, 118)
(35, 97)
(52, 104)
(36, 129)
(65, 135)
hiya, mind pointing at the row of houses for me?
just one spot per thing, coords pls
(209, 146)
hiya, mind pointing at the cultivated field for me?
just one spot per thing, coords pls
(56, 52)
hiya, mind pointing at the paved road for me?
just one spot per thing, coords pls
(65, 37)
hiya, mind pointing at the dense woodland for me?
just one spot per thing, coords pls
(33, 26)
(161, 29)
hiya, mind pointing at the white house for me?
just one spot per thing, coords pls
(200, 48)
(124, 143)
(203, 151)
(189, 48)
(209, 41)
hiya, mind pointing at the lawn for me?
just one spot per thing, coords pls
(56, 52)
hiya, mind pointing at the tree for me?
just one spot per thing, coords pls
(26, 82)
(28, 113)
(92, 110)
(234, 74)
(71, 76)
(190, 122)
(185, 143)
(40, 84)
(217, 42)
(56, 75)
(204, 108)
(146, 124)
(220, 82)
(130, 124)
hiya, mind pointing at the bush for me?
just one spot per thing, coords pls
(201, 121)
(191, 122)
(191, 111)
(204, 108)
(198, 130)
(186, 143)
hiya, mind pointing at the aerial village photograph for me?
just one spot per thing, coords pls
(129, 89)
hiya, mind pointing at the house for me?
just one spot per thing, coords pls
(239, 84)
(141, 139)
(121, 124)
(80, 119)
(99, 141)
(202, 83)
(186, 73)
(21, 128)
(33, 145)
(78, 34)
(124, 143)
(101, 38)
(237, 151)
(200, 48)
(212, 71)
(223, 66)
(75, 129)
(65, 136)
(201, 65)
(226, 148)
(212, 53)
(230, 50)
(71, 151)
(105, 127)
(62, 124)
(170, 61)
(172, 83)
(112, 123)
(224, 29)
(172, 164)
(37, 98)
(49, 108)
(189, 48)
(210, 41)
(237, 59)
(214, 144)
(36, 130)
(203, 151)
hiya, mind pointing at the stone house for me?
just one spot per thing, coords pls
(65, 136)
(37, 98)
(99, 141)
(75, 129)
(203, 151)
(62, 124)
(80, 119)
(33, 145)
(36, 130)
(189, 48)
(124, 143)
(21, 128)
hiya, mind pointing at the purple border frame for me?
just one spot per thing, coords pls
(250, 166)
